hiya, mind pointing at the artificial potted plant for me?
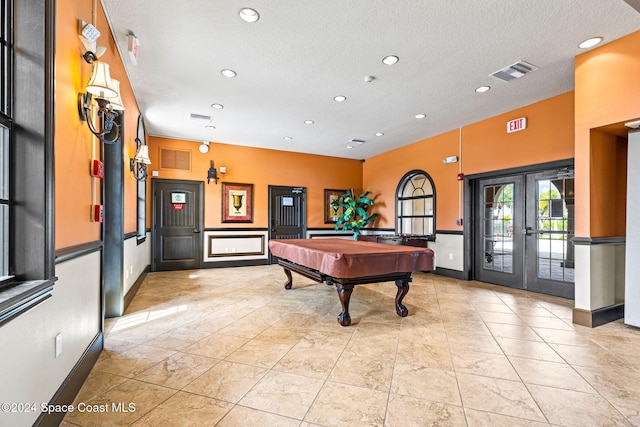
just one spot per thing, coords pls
(355, 212)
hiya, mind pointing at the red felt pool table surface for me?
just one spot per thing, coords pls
(349, 259)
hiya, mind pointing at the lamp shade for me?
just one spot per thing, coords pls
(116, 102)
(100, 82)
(142, 155)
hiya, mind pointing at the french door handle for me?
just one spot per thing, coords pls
(528, 231)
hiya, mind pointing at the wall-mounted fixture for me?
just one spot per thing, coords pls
(106, 93)
(450, 159)
(212, 175)
(204, 147)
(138, 164)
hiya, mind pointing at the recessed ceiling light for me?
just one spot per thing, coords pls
(309, 122)
(217, 106)
(420, 116)
(349, 146)
(288, 138)
(590, 42)
(249, 15)
(390, 60)
(483, 89)
(340, 98)
(379, 133)
(228, 73)
(210, 127)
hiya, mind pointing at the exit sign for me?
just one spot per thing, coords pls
(516, 125)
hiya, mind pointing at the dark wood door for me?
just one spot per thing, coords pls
(287, 214)
(177, 224)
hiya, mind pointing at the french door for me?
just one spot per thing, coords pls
(523, 229)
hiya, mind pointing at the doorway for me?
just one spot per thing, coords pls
(287, 214)
(177, 224)
(523, 226)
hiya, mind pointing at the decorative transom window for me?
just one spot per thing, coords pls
(416, 205)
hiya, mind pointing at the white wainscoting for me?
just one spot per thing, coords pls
(449, 251)
(323, 234)
(235, 245)
(30, 370)
(136, 259)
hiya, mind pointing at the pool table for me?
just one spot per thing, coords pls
(346, 263)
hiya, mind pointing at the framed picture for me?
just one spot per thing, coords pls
(331, 214)
(237, 202)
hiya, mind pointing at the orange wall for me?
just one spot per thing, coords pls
(609, 164)
(486, 146)
(261, 168)
(75, 146)
(382, 174)
(607, 90)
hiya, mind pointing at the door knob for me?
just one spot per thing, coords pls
(196, 231)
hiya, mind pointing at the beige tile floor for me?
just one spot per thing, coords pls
(231, 347)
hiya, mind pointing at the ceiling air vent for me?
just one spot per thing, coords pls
(199, 117)
(355, 141)
(514, 71)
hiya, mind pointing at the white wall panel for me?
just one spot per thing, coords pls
(136, 259)
(28, 341)
(235, 245)
(632, 270)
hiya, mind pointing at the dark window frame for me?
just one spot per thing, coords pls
(28, 67)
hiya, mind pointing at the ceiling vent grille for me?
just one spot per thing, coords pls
(355, 141)
(199, 117)
(514, 71)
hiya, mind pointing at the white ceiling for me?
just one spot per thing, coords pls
(300, 54)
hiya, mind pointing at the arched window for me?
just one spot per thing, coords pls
(416, 205)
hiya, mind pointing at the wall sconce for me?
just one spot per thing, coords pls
(212, 174)
(106, 92)
(138, 164)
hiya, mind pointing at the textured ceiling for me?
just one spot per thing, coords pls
(300, 54)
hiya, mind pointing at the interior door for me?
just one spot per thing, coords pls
(549, 264)
(287, 213)
(177, 220)
(498, 248)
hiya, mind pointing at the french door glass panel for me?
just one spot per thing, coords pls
(554, 229)
(498, 227)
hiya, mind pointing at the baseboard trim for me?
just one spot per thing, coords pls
(447, 272)
(134, 289)
(239, 263)
(72, 384)
(600, 316)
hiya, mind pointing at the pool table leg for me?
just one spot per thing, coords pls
(403, 288)
(344, 292)
(289, 282)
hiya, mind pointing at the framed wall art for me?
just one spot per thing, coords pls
(237, 202)
(332, 214)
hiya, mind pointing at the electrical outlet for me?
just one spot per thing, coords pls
(58, 345)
